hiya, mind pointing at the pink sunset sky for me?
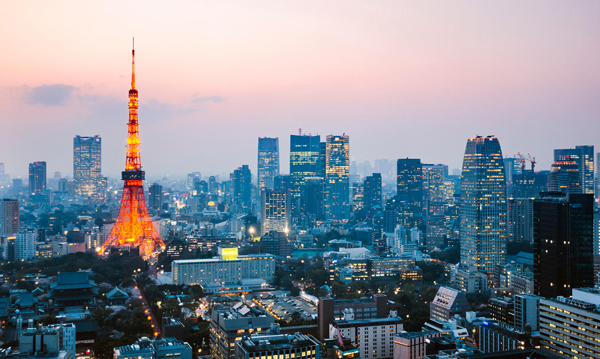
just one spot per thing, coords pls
(402, 79)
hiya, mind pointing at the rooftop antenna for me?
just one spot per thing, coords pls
(133, 65)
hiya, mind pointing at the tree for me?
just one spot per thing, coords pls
(296, 316)
(101, 315)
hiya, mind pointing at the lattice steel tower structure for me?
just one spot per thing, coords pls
(133, 227)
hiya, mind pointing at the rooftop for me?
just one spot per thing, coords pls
(273, 342)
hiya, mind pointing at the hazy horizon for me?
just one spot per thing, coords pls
(401, 79)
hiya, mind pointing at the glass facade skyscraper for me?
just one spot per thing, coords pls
(337, 179)
(409, 192)
(37, 178)
(584, 157)
(87, 165)
(305, 153)
(483, 226)
(268, 161)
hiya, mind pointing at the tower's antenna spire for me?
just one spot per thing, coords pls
(133, 65)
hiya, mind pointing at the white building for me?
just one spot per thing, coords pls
(275, 210)
(229, 267)
(411, 345)
(374, 337)
(25, 245)
(527, 311)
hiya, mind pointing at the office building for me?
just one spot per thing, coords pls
(434, 196)
(483, 213)
(499, 337)
(469, 280)
(241, 188)
(520, 220)
(527, 315)
(448, 302)
(161, 348)
(570, 327)
(583, 156)
(228, 267)
(274, 345)
(276, 243)
(564, 177)
(274, 210)
(372, 192)
(337, 181)
(37, 178)
(268, 161)
(156, 196)
(412, 345)
(529, 184)
(563, 233)
(313, 200)
(374, 337)
(330, 309)
(50, 339)
(25, 245)
(305, 161)
(9, 216)
(87, 165)
(409, 197)
(229, 326)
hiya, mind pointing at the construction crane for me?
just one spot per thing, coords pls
(524, 159)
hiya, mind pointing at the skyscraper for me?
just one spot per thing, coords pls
(434, 190)
(483, 226)
(275, 210)
(584, 157)
(87, 165)
(155, 196)
(9, 216)
(241, 185)
(563, 243)
(337, 179)
(314, 199)
(372, 191)
(37, 178)
(564, 177)
(409, 192)
(305, 152)
(25, 245)
(268, 161)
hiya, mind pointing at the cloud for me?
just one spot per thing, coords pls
(153, 110)
(49, 95)
(214, 99)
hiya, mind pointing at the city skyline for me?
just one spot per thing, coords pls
(386, 74)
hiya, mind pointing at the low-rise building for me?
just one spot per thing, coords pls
(275, 345)
(412, 345)
(448, 302)
(146, 348)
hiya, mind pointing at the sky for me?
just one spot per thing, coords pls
(401, 78)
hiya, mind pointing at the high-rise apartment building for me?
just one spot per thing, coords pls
(275, 210)
(563, 243)
(268, 161)
(305, 161)
(241, 187)
(87, 165)
(483, 209)
(372, 191)
(25, 245)
(409, 192)
(9, 216)
(337, 179)
(37, 178)
(584, 157)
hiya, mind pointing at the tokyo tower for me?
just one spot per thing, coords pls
(133, 227)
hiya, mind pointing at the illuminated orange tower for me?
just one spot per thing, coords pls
(133, 227)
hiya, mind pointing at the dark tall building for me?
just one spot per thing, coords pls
(564, 177)
(87, 165)
(314, 199)
(268, 161)
(283, 183)
(409, 198)
(241, 185)
(37, 178)
(563, 243)
(372, 191)
(434, 194)
(305, 153)
(155, 199)
(483, 227)
(584, 157)
(337, 179)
